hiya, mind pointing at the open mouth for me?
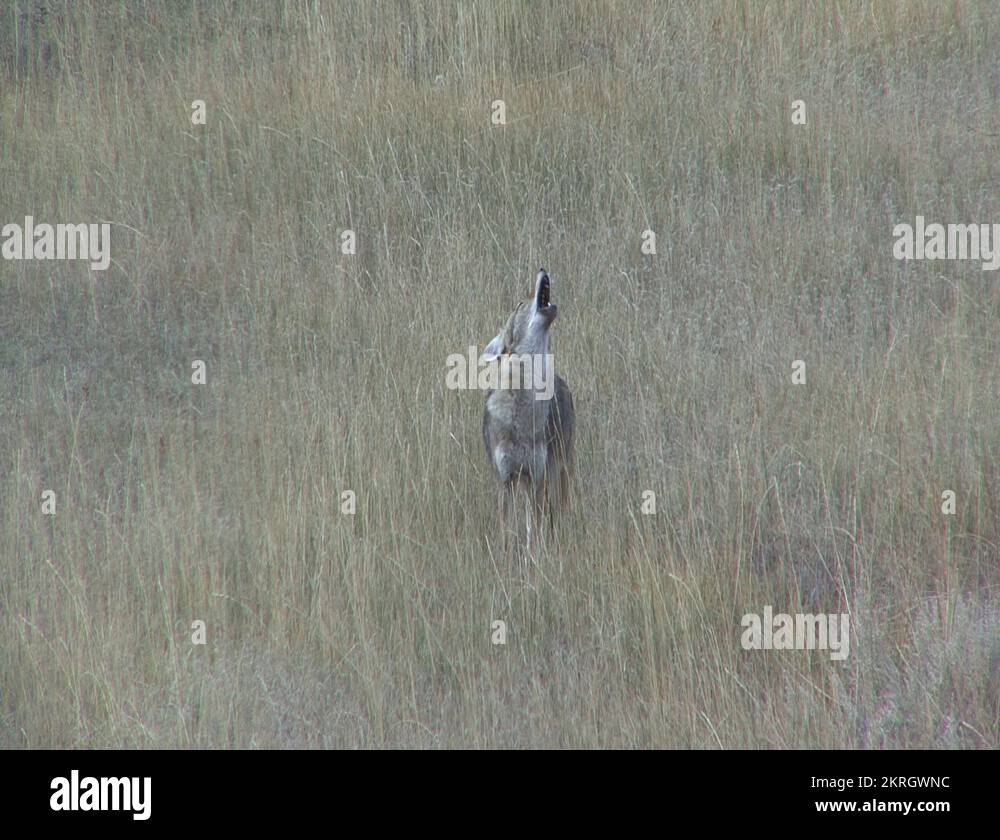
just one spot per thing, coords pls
(543, 292)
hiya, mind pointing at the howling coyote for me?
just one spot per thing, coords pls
(528, 428)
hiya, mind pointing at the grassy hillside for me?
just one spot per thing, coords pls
(221, 502)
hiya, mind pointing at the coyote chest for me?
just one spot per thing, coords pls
(517, 423)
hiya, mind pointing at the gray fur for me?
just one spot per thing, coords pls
(529, 438)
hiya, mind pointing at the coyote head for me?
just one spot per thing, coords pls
(527, 329)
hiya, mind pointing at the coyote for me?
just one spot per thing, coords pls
(528, 430)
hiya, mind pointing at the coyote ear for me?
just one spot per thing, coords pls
(493, 350)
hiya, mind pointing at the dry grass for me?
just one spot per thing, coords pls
(326, 372)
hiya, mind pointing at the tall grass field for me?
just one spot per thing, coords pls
(241, 508)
